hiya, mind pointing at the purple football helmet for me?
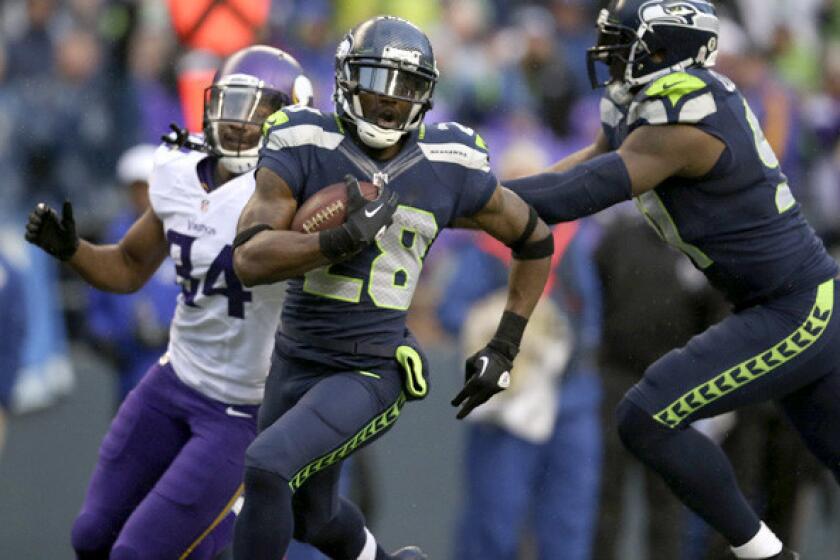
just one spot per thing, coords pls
(250, 86)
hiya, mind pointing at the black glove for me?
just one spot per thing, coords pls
(487, 373)
(366, 220)
(56, 237)
(180, 138)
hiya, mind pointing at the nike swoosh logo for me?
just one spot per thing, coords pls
(230, 411)
(372, 213)
(485, 361)
(666, 87)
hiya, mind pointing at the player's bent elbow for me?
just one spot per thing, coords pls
(245, 268)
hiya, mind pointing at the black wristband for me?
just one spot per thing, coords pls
(509, 334)
(246, 234)
(336, 243)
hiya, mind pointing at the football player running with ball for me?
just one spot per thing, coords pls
(170, 467)
(344, 364)
(682, 141)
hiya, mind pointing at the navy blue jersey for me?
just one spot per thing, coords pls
(441, 173)
(739, 223)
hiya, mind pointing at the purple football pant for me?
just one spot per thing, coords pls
(170, 469)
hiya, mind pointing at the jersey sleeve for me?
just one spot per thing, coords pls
(288, 137)
(462, 146)
(677, 98)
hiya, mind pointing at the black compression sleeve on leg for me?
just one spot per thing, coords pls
(694, 467)
(264, 526)
(581, 191)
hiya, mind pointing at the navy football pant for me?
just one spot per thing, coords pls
(312, 418)
(787, 350)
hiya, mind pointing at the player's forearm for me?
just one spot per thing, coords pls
(526, 283)
(273, 256)
(586, 189)
(107, 268)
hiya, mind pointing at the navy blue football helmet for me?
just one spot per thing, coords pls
(251, 84)
(385, 75)
(641, 40)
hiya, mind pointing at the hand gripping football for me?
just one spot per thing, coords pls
(327, 208)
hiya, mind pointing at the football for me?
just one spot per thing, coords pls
(327, 208)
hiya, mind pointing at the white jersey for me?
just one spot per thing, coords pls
(222, 335)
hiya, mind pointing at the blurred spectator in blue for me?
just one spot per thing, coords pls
(151, 84)
(544, 64)
(69, 140)
(774, 103)
(46, 372)
(10, 114)
(133, 329)
(541, 436)
(11, 341)
(575, 35)
(480, 75)
(31, 53)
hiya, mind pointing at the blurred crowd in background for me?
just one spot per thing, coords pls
(87, 88)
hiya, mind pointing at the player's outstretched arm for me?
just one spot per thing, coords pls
(123, 267)
(510, 220)
(648, 156)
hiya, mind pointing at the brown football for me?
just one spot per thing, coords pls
(327, 208)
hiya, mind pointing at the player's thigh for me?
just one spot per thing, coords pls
(283, 387)
(334, 417)
(194, 495)
(815, 412)
(141, 442)
(762, 353)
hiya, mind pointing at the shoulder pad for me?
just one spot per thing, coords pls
(611, 112)
(167, 154)
(453, 142)
(300, 126)
(448, 132)
(679, 97)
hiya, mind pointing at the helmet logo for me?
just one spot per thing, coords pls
(394, 53)
(674, 13)
(680, 10)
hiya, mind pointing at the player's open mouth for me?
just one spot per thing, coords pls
(387, 118)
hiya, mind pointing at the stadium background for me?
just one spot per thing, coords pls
(82, 81)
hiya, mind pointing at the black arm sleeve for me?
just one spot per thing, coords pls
(586, 189)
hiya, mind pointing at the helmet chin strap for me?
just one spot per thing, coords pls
(376, 136)
(238, 165)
